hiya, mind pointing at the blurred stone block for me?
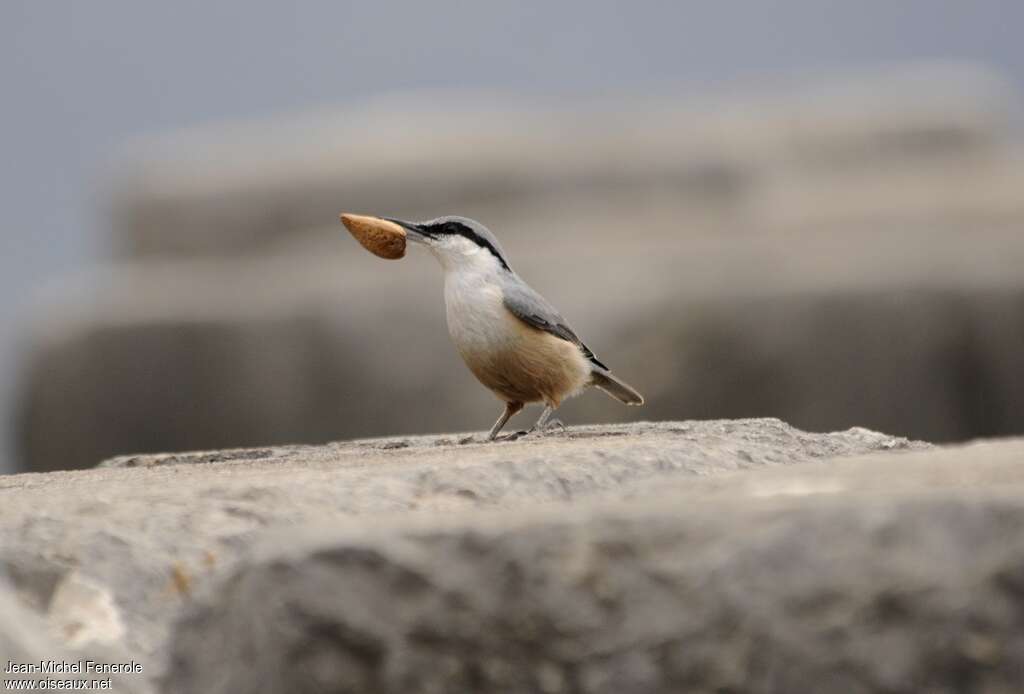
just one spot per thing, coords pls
(720, 162)
(829, 331)
(839, 255)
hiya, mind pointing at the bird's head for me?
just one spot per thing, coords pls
(457, 242)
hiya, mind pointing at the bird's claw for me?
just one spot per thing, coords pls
(526, 433)
(536, 430)
(548, 426)
(514, 436)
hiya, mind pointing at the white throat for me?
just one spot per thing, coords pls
(458, 255)
(472, 293)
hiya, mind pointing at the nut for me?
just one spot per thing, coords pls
(379, 236)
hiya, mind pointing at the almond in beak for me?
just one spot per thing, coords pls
(379, 236)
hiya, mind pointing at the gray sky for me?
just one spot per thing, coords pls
(79, 77)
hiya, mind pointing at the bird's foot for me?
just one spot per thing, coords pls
(545, 428)
(526, 433)
(514, 436)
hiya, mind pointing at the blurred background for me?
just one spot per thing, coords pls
(804, 209)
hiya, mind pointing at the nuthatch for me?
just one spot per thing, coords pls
(511, 338)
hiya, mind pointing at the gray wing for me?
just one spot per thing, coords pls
(534, 310)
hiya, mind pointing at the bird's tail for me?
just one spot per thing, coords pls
(620, 390)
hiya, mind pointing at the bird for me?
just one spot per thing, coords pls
(512, 339)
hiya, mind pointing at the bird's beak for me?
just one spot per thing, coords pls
(413, 232)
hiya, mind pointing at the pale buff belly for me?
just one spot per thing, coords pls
(517, 362)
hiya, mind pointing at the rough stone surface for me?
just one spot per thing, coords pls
(714, 556)
(136, 540)
(26, 639)
(876, 573)
(23, 635)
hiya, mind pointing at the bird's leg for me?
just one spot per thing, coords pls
(543, 423)
(510, 409)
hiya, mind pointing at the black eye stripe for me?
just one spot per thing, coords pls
(458, 229)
